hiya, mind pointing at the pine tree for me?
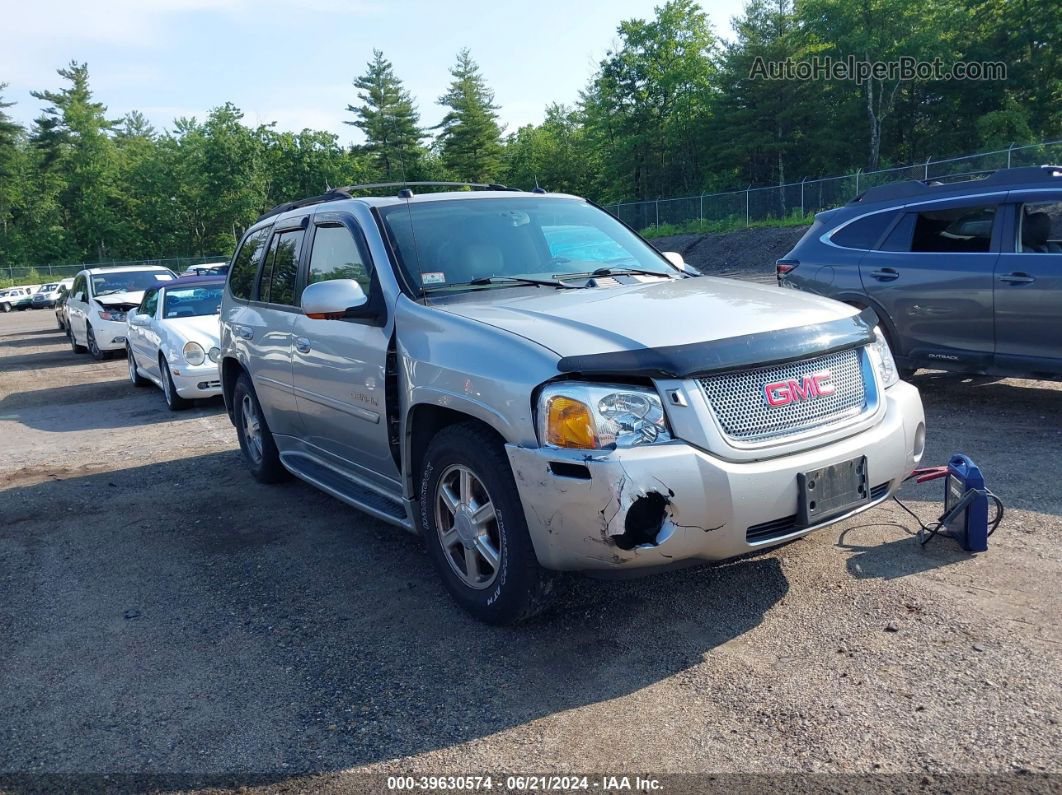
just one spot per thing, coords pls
(470, 137)
(388, 118)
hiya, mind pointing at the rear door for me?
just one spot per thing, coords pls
(1028, 286)
(266, 326)
(340, 366)
(933, 276)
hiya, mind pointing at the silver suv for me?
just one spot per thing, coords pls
(531, 386)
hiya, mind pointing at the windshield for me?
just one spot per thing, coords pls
(452, 242)
(48, 288)
(202, 299)
(127, 281)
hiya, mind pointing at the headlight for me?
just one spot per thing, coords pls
(881, 356)
(214, 354)
(592, 416)
(194, 353)
(118, 317)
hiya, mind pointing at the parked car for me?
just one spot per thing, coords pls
(172, 339)
(530, 385)
(965, 276)
(60, 304)
(47, 294)
(17, 298)
(98, 301)
(207, 269)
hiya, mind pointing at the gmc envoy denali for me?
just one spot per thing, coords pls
(527, 383)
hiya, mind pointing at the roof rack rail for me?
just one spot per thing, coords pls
(916, 187)
(378, 185)
(335, 194)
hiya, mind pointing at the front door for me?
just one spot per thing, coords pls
(933, 275)
(1028, 286)
(340, 366)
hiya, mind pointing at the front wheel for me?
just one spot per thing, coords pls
(173, 401)
(5, 307)
(474, 527)
(93, 346)
(134, 372)
(256, 441)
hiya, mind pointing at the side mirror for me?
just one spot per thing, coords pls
(331, 299)
(676, 259)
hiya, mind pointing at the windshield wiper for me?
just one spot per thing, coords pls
(608, 271)
(481, 281)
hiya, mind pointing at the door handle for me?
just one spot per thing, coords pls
(885, 274)
(302, 345)
(1017, 278)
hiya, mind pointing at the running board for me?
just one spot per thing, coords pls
(345, 489)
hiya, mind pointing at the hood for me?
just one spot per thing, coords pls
(121, 300)
(204, 329)
(650, 315)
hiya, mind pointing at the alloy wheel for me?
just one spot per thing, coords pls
(252, 428)
(467, 525)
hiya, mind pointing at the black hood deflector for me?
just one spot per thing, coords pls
(734, 353)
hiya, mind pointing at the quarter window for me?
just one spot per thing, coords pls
(1040, 228)
(245, 265)
(863, 233)
(956, 230)
(336, 255)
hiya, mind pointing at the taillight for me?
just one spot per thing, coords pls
(783, 267)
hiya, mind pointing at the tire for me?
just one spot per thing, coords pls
(256, 441)
(169, 391)
(516, 587)
(134, 374)
(73, 342)
(5, 307)
(59, 323)
(93, 345)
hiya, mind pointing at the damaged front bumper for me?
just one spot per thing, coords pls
(663, 504)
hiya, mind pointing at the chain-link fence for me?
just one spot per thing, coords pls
(812, 195)
(43, 274)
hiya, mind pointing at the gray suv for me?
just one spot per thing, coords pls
(527, 383)
(965, 276)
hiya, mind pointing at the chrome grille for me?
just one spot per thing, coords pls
(739, 400)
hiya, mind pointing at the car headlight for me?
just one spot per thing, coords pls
(881, 356)
(118, 317)
(194, 353)
(593, 416)
(214, 354)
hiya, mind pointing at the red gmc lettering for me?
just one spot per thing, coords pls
(782, 393)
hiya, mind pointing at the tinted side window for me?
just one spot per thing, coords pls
(282, 268)
(957, 230)
(336, 255)
(864, 233)
(1040, 228)
(245, 265)
(150, 303)
(899, 239)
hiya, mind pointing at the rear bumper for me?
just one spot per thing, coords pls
(704, 505)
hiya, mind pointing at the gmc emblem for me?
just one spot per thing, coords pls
(782, 393)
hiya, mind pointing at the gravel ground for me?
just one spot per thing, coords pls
(163, 613)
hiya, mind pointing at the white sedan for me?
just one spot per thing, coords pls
(172, 339)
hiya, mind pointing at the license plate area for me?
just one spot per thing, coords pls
(832, 491)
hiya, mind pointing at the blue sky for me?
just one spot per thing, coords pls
(292, 61)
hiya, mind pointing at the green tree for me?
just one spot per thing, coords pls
(553, 155)
(389, 120)
(469, 135)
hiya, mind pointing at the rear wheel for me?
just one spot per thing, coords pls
(59, 323)
(174, 401)
(474, 527)
(134, 373)
(256, 441)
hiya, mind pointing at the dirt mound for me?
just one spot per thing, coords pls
(749, 253)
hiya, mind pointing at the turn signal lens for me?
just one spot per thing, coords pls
(569, 423)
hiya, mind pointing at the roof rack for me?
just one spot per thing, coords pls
(917, 187)
(347, 192)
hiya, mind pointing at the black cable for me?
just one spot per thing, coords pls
(931, 530)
